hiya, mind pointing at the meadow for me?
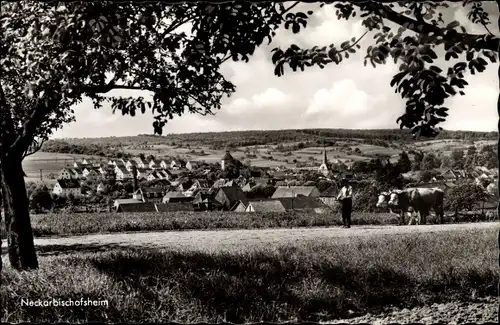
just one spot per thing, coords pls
(63, 224)
(313, 281)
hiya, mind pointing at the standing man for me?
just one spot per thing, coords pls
(345, 197)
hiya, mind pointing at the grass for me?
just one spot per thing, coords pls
(323, 280)
(91, 223)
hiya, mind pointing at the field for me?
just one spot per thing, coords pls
(317, 280)
(271, 148)
(93, 223)
(50, 163)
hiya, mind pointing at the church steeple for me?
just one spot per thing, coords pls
(325, 159)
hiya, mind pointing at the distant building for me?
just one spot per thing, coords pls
(65, 173)
(265, 206)
(323, 168)
(152, 194)
(190, 165)
(226, 160)
(329, 196)
(229, 197)
(294, 191)
(65, 187)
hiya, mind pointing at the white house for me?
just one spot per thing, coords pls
(64, 187)
(101, 188)
(77, 173)
(152, 176)
(129, 164)
(141, 163)
(65, 173)
(122, 173)
(90, 173)
(164, 164)
(190, 165)
(174, 164)
(153, 164)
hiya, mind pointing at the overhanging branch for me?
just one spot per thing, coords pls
(426, 28)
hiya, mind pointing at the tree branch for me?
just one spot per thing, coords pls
(425, 28)
(25, 139)
(34, 148)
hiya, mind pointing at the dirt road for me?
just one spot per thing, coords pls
(238, 239)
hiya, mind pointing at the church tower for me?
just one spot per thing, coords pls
(323, 168)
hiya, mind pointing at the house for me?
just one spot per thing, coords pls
(141, 173)
(164, 174)
(65, 173)
(122, 173)
(190, 165)
(241, 206)
(129, 164)
(329, 196)
(184, 185)
(248, 186)
(226, 160)
(203, 201)
(453, 175)
(77, 173)
(103, 170)
(101, 188)
(152, 175)
(305, 204)
(90, 162)
(294, 191)
(229, 197)
(154, 164)
(149, 194)
(230, 183)
(136, 207)
(217, 184)
(265, 206)
(176, 196)
(200, 184)
(77, 165)
(173, 164)
(112, 162)
(118, 202)
(65, 187)
(174, 206)
(140, 163)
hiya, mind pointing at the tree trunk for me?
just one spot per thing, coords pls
(22, 253)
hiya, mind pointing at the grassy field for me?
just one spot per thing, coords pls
(93, 223)
(49, 163)
(322, 280)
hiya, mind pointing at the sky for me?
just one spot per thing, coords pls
(348, 95)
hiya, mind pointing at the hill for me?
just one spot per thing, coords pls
(267, 148)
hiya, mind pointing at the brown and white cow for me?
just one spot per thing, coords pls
(420, 200)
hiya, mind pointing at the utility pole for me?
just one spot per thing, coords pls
(41, 174)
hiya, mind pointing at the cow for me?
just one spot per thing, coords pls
(420, 200)
(383, 202)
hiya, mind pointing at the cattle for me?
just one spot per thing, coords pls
(420, 200)
(383, 202)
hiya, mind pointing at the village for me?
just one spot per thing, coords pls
(169, 185)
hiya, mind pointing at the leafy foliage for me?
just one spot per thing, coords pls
(464, 196)
(422, 31)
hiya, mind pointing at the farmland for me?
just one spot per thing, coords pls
(321, 279)
(261, 148)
